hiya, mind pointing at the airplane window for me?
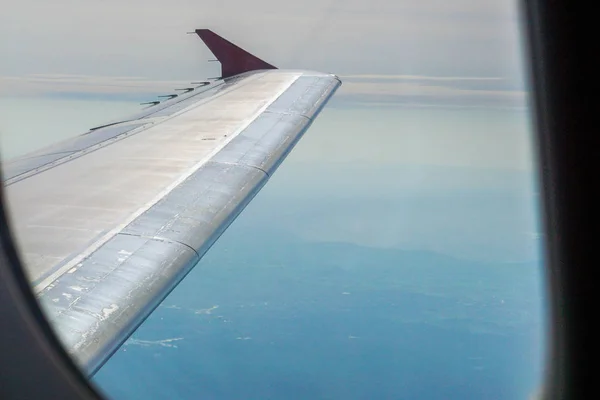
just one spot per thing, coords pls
(397, 252)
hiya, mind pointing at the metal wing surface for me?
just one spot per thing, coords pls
(109, 222)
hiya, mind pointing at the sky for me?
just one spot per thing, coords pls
(466, 52)
(418, 54)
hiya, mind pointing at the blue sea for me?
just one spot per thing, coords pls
(396, 254)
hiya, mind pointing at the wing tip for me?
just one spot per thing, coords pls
(234, 60)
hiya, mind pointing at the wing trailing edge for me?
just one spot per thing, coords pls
(234, 60)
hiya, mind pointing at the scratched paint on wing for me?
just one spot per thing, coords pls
(106, 312)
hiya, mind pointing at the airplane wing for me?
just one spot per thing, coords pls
(109, 222)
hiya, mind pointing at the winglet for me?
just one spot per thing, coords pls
(234, 60)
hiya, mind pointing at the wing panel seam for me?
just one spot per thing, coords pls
(161, 239)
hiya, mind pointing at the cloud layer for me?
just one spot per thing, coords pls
(403, 89)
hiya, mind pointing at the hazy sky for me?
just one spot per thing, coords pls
(391, 50)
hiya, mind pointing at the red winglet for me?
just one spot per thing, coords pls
(234, 60)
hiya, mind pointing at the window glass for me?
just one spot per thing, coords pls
(397, 251)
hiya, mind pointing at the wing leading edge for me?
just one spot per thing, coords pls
(108, 223)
